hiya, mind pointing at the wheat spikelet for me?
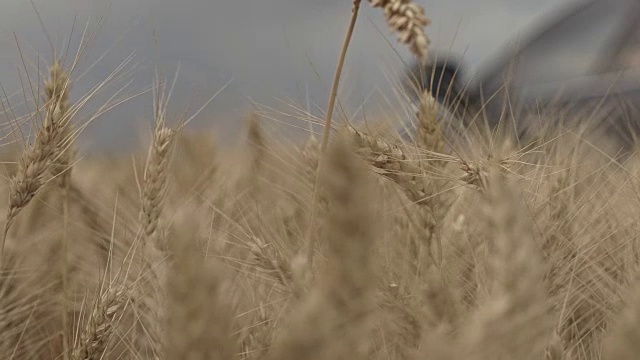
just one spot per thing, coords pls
(512, 323)
(37, 158)
(339, 306)
(155, 178)
(429, 131)
(393, 162)
(350, 230)
(256, 343)
(57, 89)
(272, 264)
(475, 174)
(95, 337)
(151, 304)
(197, 324)
(408, 19)
(403, 318)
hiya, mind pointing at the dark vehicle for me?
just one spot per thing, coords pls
(586, 58)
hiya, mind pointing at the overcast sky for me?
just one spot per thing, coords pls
(270, 49)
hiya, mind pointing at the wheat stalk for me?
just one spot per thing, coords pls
(57, 89)
(327, 124)
(153, 249)
(152, 198)
(154, 253)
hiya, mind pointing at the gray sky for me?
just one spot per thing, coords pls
(272, 49)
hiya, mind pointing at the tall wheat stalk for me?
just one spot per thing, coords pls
(154, 189)
(409, 20)
(327, 125)
(45, 155)
(56, 89)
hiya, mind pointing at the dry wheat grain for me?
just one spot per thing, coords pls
(409, 20)
(37, 158)
(155, 178)
(102, 321)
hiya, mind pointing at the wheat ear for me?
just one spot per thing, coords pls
(393, 162)
(56, 89)
(512, 323)
(155, 178)
(339, 306)
(408, 19)
(37, 158)
(95, 337)
(429, 130)
(197, 323)
(152, 199)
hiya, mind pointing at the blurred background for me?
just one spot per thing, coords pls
(271, 52)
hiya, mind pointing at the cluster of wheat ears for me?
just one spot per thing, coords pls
(358, 246)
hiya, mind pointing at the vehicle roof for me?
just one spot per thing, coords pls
(497, 63)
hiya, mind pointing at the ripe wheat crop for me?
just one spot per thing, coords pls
(364, 245)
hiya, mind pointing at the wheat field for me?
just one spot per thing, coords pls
(353, 244)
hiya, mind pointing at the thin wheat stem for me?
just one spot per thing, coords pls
(65, 271)
(327, 125)
(337, 75)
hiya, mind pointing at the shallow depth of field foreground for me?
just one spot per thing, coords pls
(445, 246)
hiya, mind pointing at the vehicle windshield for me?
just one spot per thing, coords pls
(569, 49)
